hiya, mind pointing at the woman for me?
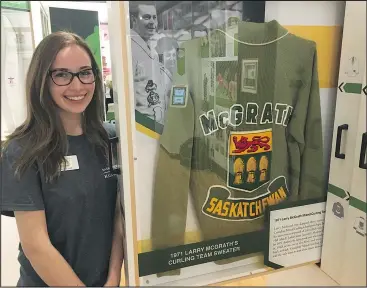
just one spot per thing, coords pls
(55, 177)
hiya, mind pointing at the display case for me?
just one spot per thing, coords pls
(224, 112)
(17, 45)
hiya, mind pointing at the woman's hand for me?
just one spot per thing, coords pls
(113, 281)
(117, 252)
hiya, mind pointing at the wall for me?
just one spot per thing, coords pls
(100, 7)
(16, 52)
(9, 252)
(17, 48)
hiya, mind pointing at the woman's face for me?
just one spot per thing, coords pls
(74, 97)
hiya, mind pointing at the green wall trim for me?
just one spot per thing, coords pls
(336, 191)
(358, 204)
(16, 5)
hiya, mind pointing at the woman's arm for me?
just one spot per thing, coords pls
(45, 259)
(117, 252)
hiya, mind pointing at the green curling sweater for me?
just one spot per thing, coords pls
(248, 135)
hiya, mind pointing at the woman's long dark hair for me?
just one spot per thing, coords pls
(42, 136)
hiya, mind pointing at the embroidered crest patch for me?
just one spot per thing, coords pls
(249, 159)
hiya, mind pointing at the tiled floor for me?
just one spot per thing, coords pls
(308, 275)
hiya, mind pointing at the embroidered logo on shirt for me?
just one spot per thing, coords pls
(220, 205)
(251, 114)
(249, 159)
(106, 173)
(179, 96)
(153, 97)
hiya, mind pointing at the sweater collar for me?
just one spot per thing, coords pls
(260, 33)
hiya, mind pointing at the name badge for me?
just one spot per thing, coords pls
(71, 163)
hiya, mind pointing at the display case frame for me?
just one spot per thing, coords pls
(127, 127)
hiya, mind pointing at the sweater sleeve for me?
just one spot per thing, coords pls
(172, 178)
(312, 173)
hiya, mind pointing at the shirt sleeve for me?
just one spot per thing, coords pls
(312, 180)
(172, 179)
(22, 193)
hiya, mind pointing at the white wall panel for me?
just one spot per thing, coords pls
(306, 13)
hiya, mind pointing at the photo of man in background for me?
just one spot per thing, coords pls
(167, 50)
(151, 78)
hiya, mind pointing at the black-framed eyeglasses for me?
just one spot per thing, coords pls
(63, 78)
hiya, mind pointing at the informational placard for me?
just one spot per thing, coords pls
(295, 234)
(163, 260)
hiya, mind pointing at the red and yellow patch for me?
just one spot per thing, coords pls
(249, 159)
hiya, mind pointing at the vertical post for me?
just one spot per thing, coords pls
(119, 29)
